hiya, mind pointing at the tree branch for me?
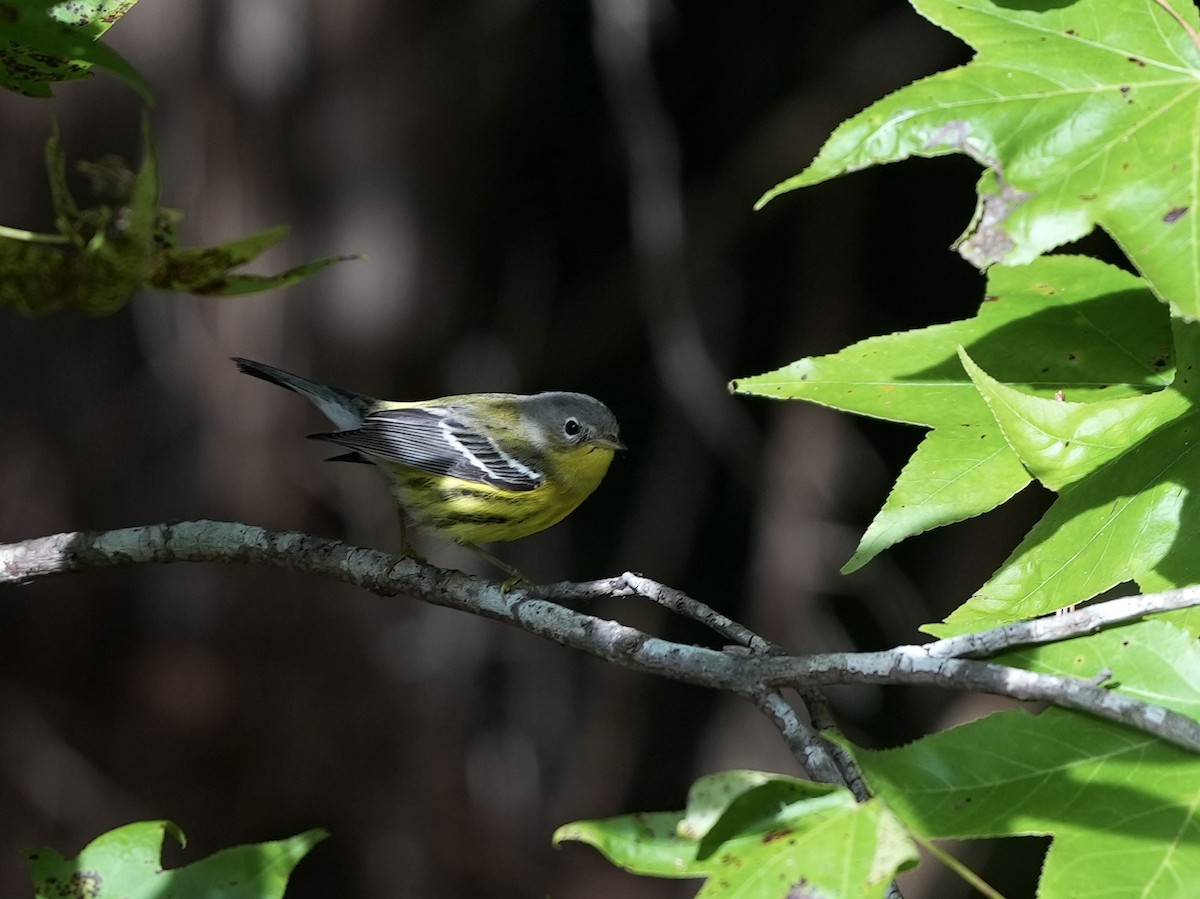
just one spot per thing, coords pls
(754, 675)
(1087, 620)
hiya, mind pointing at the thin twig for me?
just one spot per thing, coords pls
(817, 705)
(907, 665)
(821, 759)
(1086, 620)
(805, 744)
(633, 584)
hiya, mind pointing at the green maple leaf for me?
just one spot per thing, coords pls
(127, 862)
(752, 833)
(1123, 807)
(1082, 113)
(1063, 324)
(1127, 472)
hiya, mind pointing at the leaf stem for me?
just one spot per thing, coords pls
(31, 236)
(957, 867)
(1178, 17)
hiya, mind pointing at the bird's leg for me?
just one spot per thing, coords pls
(406, 550)
(514, 576)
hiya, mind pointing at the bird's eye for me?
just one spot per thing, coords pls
(572, 427)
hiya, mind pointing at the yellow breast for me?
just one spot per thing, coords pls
(480, 513)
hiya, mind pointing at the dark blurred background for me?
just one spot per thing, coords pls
(550, 196)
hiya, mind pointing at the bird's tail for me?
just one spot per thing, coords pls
(343, 408)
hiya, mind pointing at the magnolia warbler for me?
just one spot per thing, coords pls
(476, 468)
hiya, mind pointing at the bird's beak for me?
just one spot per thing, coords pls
(609, 443)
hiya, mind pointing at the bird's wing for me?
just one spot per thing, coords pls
(436, 440)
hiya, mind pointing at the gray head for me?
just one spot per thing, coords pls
(573, 419)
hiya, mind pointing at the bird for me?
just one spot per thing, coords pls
(473, 468)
